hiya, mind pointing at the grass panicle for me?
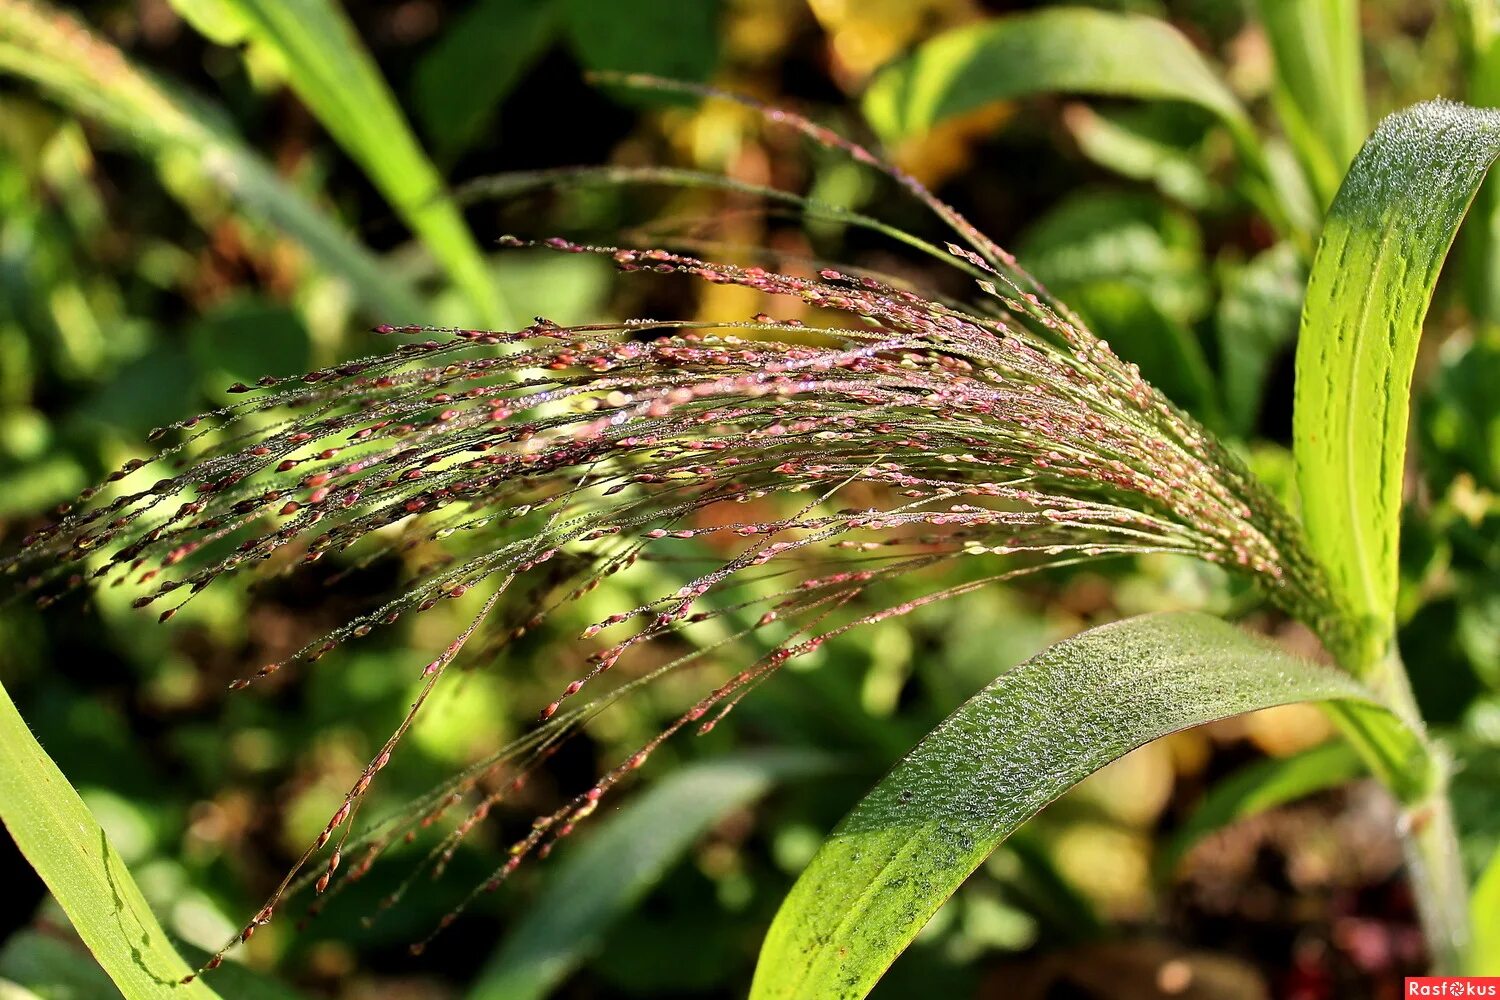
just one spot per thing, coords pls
(786, 471)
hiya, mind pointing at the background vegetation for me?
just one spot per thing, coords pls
(202, 192)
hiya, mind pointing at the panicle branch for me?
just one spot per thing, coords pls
(809, 465)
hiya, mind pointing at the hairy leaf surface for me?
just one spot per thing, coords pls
(995, 762)
(1372, 279)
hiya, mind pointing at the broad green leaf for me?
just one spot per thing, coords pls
(995, 762)
(329, 68)
(193, 149)
(461, 81)
(1484, 904)
(63, 842)
(1260, 786)
(1318, 89)
(1060, 49)
(1069, 49)
(603, 878)
(1255, 320)
(1371, 281)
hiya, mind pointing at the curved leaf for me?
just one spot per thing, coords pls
(1061, 50)
(620, 862)
(62, 841)
(93, 80)
(328, 66)
(1372, 279)
(991, 765)
(1073, 49)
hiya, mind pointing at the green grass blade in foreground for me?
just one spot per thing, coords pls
(68, 849)
(1318, 90)
(1485, 907)
(193, 150)
(1372, 278)
(1262, 785)
(995, 762)
(608, 874)
(328, 66)
(1061, 49)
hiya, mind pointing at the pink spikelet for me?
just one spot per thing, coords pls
(818, 462)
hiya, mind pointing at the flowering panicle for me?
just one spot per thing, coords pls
(812, 463)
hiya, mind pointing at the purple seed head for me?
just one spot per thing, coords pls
(809, 463)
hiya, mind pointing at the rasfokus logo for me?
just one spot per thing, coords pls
(1452, 986)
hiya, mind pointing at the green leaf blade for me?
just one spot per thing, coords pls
(1005, 754)
(1485, 907)
(620, 862)
(1371, 281)
(61, 840)
(1061, 49)
(336, 77)
(1318, 89)
(1078, 50)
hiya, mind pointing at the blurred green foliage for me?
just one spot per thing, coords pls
(206, 192)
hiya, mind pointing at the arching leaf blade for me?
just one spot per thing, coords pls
(1068, 49)
(62, 841)
(995, 762)
(1383, 245)
(1078, 50)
